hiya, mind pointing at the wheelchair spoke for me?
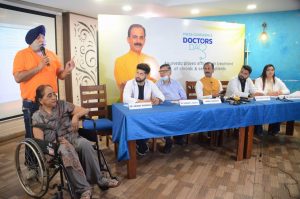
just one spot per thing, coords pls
(31, 169)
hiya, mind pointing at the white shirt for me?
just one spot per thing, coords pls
(131, 91)
(277, 86)
(234, 88)
(199, 89)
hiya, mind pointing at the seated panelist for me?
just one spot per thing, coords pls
(78, 155)
(242, 85)
(208, 86)
(173, 91)
(270, 85)
(141, 89)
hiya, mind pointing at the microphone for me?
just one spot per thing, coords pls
(42, 49)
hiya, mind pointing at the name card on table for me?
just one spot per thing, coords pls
(262, 98)
(212, 101)
(142, 105)
(189, 102)
(292, 97)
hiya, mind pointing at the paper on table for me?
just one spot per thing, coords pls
(296, 93)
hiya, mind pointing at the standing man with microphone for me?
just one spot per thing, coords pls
(34, 66)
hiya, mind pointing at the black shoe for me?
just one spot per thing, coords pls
(274, 133)
(259, 133)
(167, 148)
(180, 142)
(142, 149)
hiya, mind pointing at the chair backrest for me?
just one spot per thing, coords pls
(95, 99)
(190, 89)
(224, 86)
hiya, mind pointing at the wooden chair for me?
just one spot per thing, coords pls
(190, 94)
(94, 98)
(224, 86)
(190, 89)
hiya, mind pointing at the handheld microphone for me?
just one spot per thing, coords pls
(43, 51)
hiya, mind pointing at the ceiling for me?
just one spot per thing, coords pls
(162, 8)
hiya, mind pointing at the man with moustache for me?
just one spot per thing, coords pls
(31, 69)
(141, 89)
(125, 66)
(242, 85)
(208, 86)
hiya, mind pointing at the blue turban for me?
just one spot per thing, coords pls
(32, 34)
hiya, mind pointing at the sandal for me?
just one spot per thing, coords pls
(109, 183)
(86, 195)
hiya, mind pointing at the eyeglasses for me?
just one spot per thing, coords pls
(163, 71)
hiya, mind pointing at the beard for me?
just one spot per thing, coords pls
(208, 74)
(242, 79)
(36, 46)
(139, 80)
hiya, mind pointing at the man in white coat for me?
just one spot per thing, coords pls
(242, 85)
(141, 89)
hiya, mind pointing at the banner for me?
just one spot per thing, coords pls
(185, 44)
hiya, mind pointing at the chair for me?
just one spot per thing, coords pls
(191, 94)
(190, 89)
(224, 86)
(94, 98)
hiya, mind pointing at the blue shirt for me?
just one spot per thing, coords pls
(171, 90)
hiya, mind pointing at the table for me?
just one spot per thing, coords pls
(169, 119)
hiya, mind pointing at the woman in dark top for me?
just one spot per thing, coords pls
(78, 154)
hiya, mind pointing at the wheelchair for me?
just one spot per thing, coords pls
(37, 170)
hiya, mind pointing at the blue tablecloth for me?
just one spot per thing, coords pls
(169, 119)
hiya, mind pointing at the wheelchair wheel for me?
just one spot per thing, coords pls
(31, 169)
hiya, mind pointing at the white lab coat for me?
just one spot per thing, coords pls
(131, 91)
(234, 88)
(277, 86)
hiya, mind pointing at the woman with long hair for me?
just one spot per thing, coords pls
(270, 85)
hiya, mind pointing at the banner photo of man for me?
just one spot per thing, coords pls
(185, 44)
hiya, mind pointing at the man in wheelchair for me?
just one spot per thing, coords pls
(58, 121)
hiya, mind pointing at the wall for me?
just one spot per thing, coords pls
(282, 48)
(15, 127)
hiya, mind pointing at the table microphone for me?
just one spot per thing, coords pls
(42, 49)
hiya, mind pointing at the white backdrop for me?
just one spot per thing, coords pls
(13, 28)
(185, 44)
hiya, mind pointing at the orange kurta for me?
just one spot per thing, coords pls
(210, 86)
(125, 66)
(27, 59)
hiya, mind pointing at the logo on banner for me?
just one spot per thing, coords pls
(197, 41)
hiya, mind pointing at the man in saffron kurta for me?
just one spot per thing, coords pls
(208, 86)
(125, 66)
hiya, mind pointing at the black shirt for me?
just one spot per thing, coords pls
(141, 92)
(243, 83)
